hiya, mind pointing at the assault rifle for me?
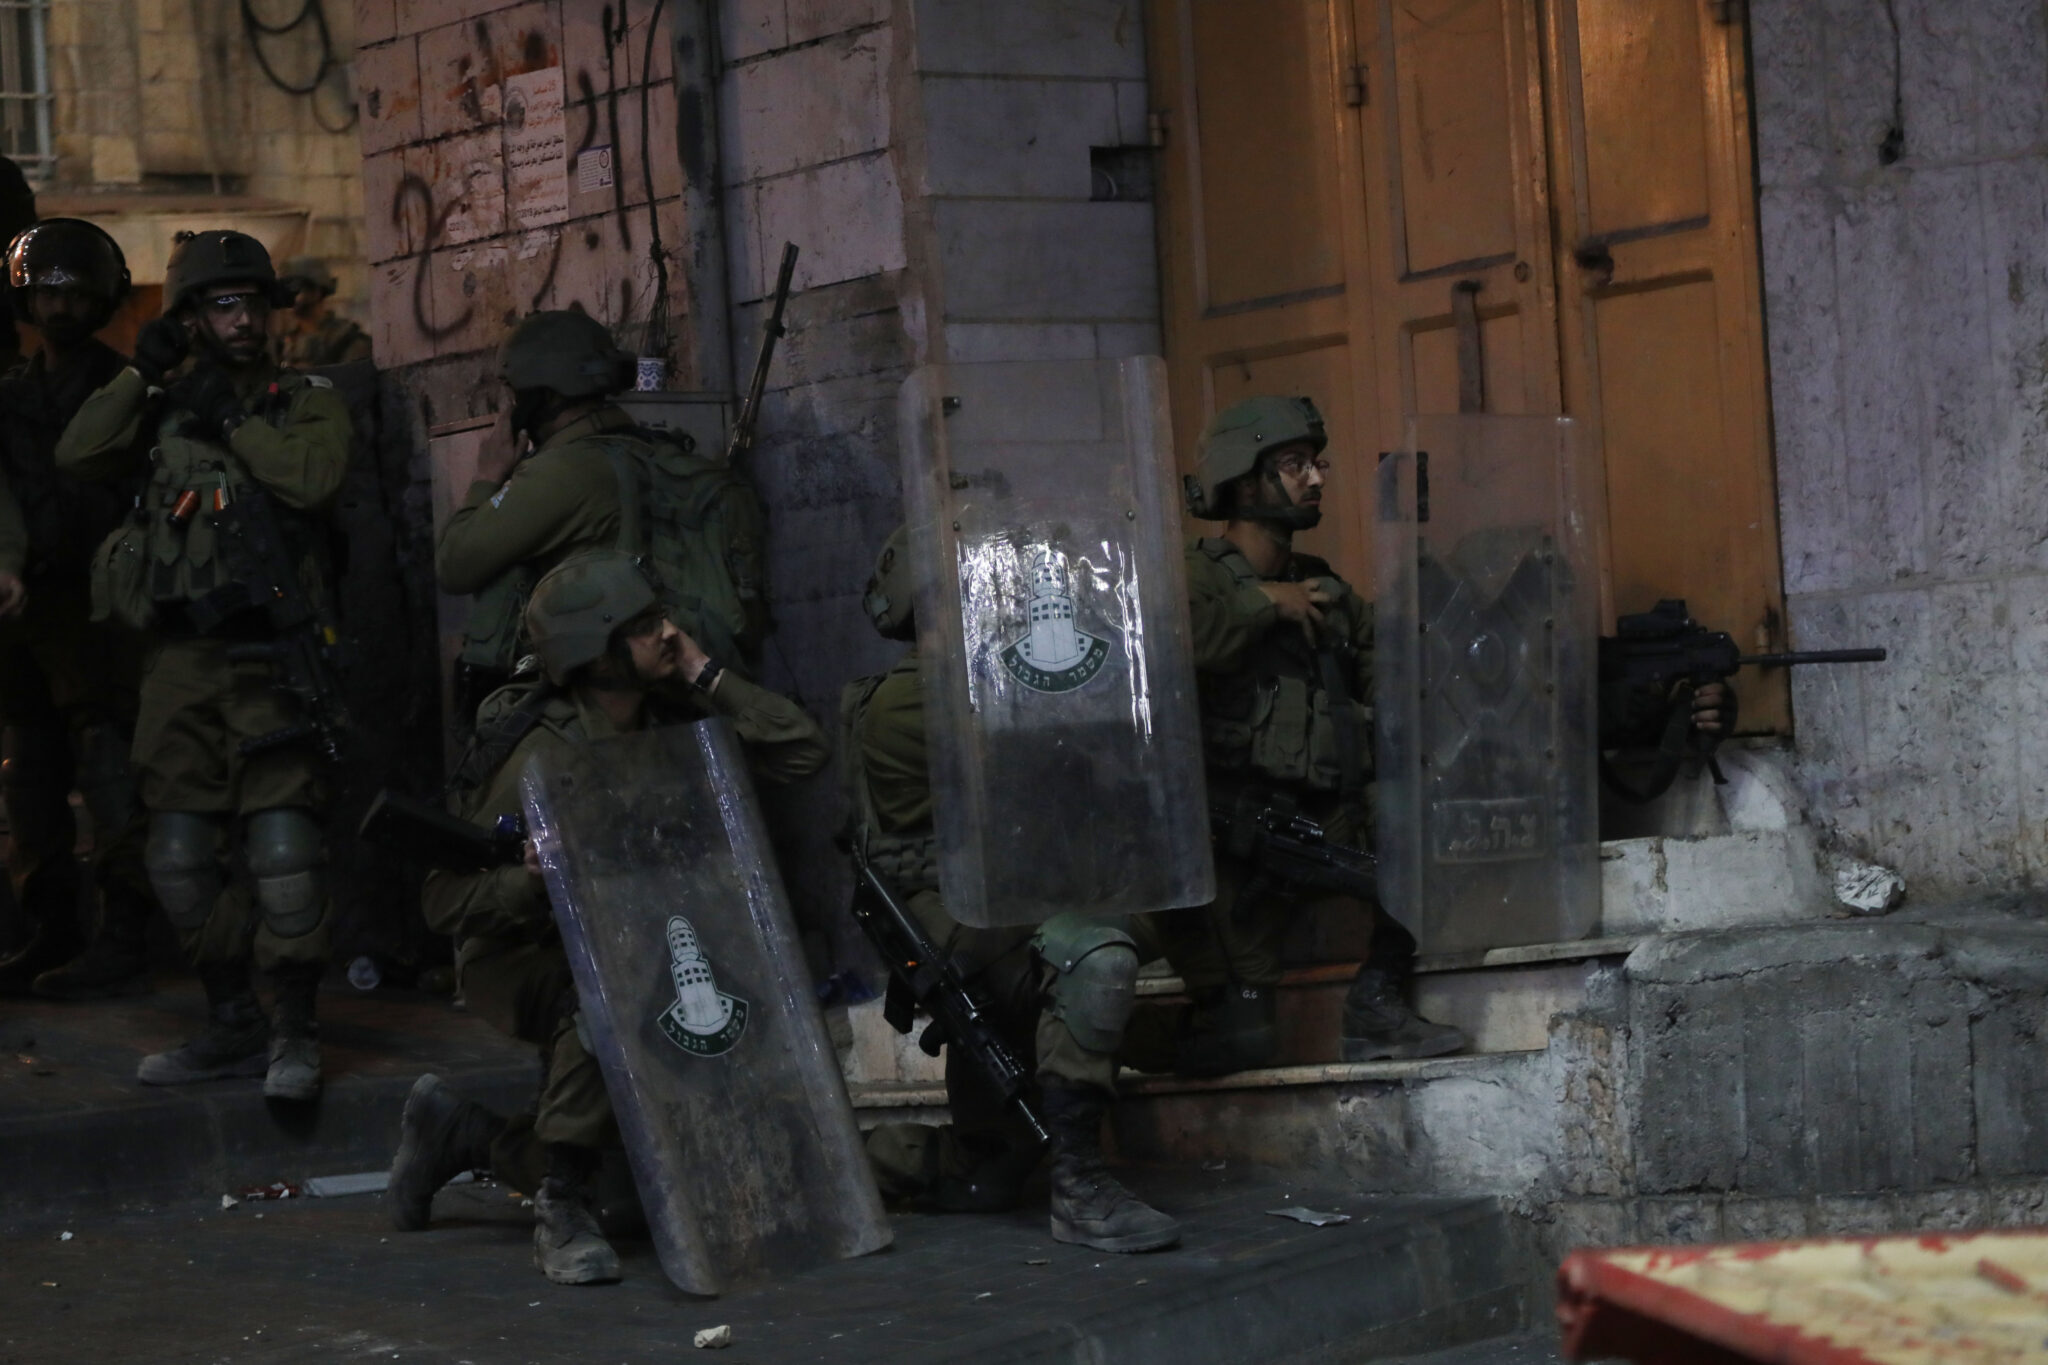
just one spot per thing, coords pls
(742, 439)
(301, 647)
(921, 978)
(1651, 653)
(1266, 829)
(424, 831)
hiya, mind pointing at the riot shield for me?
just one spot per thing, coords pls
(1486, 629)
(696, 1002)
(1052, 627)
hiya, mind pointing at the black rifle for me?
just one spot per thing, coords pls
(742, 439)
(303, 637)
(424, 831)
(920, 978)
(1656, 651)
(1267, 830)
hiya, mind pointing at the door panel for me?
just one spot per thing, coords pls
(1433, 360)
(1455, 106)
(1645, 118)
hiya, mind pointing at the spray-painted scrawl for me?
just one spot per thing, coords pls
(1054, 655)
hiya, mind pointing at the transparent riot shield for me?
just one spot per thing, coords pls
(1052, 624)
(696, 1001)
(1485, 659)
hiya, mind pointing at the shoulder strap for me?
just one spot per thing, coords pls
(626, 468)
(495, 739)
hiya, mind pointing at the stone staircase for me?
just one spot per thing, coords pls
(1601, 1067)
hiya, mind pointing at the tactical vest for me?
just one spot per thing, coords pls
(1285, 713)
(694, 522)
(171, 551)
(66, 517)
(908, 862)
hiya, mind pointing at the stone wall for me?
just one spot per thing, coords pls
(166, 96)
(1907, 303)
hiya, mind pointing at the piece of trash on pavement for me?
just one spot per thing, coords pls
(276, 1189)
(228, 1201)
(1310, 1216)
(1039, 1260)
(713, 1338)
(63, 1236)
(985, 1294)
(1213, 1165)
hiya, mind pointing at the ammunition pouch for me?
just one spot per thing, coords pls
(1285, 730)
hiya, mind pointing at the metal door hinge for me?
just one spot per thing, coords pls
(1354, 85)
(1155, 127)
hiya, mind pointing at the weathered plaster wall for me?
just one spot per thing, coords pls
(1908, 314)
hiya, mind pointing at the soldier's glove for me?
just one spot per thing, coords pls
(159, 346)
(209, 395)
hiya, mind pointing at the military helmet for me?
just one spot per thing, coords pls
(202, 260)
(888, 600)
(567, 351)
(302, 271)
(69, 253)
(579, 603)
(1235, 438)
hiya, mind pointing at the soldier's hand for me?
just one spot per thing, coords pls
(1302, 602)
(13, 594)
(1713, 708)
(159, 346)
(499, 451)
(208, 394)
(531, 860)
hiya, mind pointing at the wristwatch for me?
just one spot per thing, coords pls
(707, 676)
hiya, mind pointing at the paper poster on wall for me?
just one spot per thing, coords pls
(537, 147)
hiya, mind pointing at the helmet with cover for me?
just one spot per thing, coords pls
(301, 273)
(888, 600)
(579, 603)
(1230, 448)
(208, 260)
(70, 253)
(567, 352)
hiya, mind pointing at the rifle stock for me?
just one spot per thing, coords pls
(742, 439)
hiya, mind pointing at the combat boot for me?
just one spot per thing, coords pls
(294, 1070)
(1091, 1207)
(568, 1246)
(235, 1041)
(1234, 1028)
(440, 1136)
(115, 963)
(1379, 1024)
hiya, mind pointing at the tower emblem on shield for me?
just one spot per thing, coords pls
(1054, 655)
(704, 1020)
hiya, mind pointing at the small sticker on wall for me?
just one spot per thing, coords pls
(593, 170)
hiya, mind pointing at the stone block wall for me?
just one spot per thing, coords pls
(1907, 303)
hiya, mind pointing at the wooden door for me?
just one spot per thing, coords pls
(1264, 229)
(1661, 314)
(1337, 170)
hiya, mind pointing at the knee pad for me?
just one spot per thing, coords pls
(1095, 977)
(286, 849)
(184, 869)
(105, 779)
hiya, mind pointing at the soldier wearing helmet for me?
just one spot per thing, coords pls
(612, 662)
(67, 683)
(564, 470)
(213, 426)
(1283, 657)
(1062, 990)
(306, 331)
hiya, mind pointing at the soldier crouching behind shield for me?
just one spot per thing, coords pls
(1068, 985)
(1284, 660)
(614, 664)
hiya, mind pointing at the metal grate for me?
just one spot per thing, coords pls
(25, 100)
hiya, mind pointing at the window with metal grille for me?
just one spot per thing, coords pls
(25, 86)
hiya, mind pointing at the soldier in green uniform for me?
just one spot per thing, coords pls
(67, 683)
(1064, 989)
(592, 480)
(208, 420)
(1284, 660)
(311, 333)
(614, 663)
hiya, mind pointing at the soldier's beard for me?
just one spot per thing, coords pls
(1279, 511)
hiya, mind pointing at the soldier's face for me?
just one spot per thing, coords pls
(238, 321)
(61, 312)
(657, 648)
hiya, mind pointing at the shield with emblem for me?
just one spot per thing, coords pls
(1065, 745)
(1484, 659)
(697, 1002)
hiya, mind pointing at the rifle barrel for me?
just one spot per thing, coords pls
(1815, 656)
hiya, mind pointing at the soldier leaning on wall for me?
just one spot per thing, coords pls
(307, 331)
